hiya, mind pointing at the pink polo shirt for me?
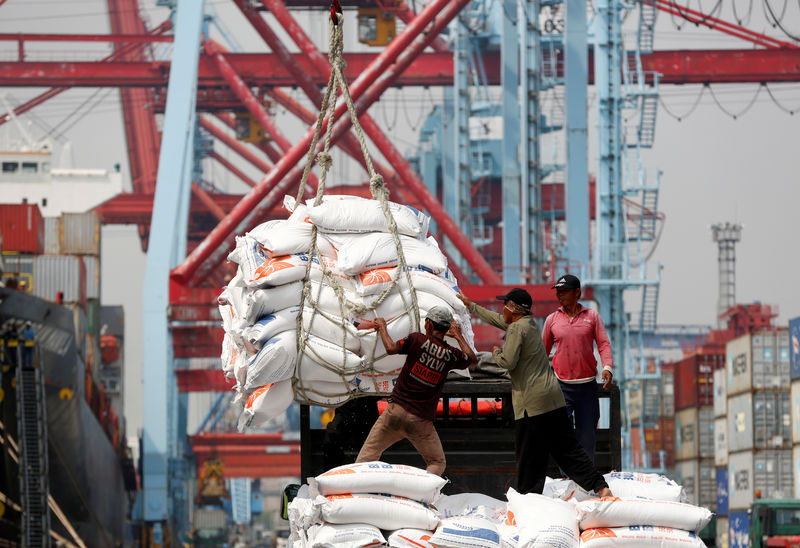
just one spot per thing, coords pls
(574, 339)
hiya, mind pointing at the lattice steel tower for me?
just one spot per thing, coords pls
(726, 235)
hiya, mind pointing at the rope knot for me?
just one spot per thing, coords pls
(325, 160)
(378, 187)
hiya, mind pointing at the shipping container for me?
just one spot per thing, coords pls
(667, 392)
(759, 421)
(768, 472)
(22, 227)
(720, 393)
(757, 362)
(699, 479)
(721, 441)
(643, 401)
(694, 380)
(738, 365)
(796, 474)
(738, 530)
(52, 235)
(19, 268)
(694, 433)
(92, 265)
(722, 533)
(794, 347)
(722, 491)
(795, 402)
(59, 273)
(80, 233)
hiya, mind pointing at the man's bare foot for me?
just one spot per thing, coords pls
(604, 492)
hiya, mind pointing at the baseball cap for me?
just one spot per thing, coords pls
(517, 296)
(440, 315)
(568, 281)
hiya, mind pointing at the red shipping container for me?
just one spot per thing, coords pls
(22, 227)
(694, 379)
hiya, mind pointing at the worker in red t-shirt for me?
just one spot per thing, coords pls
(412, 404)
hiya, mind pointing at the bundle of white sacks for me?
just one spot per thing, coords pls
(356, 262)
(372, 504)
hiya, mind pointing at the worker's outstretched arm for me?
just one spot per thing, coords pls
(455, 332)
(390, 345)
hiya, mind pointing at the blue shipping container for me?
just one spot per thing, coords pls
(722, 491)
(738, 530)
(794, 347)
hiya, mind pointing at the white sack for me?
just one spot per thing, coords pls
(352, 214)
(649, 486)
(345, 535)
(264, 329)
(464, 503)
(543, 522)
(640, 536)
(267, 300)
(621, 512)
(325, 298)
(377, 280)
(258, 270)
(361, 252)
(382, 511)
(331, 328)
(264, 403)
(287, 237)
(326, 394)
(320, 355)
(466, 531)
(410, 538)
(302, 514)
(509, 535)
(379, 477)
(274, 362)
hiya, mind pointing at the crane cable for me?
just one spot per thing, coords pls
(379, 192)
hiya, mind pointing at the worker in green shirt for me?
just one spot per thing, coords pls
(542, 427)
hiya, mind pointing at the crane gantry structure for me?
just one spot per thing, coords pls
(187, 227)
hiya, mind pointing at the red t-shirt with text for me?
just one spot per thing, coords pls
(421, 380)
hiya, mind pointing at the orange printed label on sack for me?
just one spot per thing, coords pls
(337, 472)
(271, 266)
(376, 276)
(510, 518)
(258, 391)
(339, 497)
(601, 532)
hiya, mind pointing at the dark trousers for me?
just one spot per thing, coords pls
(584, 406)
(551, 434)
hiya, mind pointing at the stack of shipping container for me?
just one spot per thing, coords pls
(694, 425)
(794, 373)
(58, 259)
(753, 441)
(651, 411)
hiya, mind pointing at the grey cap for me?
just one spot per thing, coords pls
(440, 315)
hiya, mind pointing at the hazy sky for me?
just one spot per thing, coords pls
(715, 168)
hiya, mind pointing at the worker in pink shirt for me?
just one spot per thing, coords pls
(574, 329)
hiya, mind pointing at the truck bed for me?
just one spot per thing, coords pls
(479, 448)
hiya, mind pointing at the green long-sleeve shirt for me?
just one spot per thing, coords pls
(534, 385)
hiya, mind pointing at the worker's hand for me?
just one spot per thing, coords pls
(454, 331)
(365, 324)
(604, 492)
(464, 299)
(606, 378)
(380, 324)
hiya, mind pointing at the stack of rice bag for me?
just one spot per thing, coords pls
(371, 504)
(352, 275)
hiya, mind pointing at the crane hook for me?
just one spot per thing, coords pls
(335, 8)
